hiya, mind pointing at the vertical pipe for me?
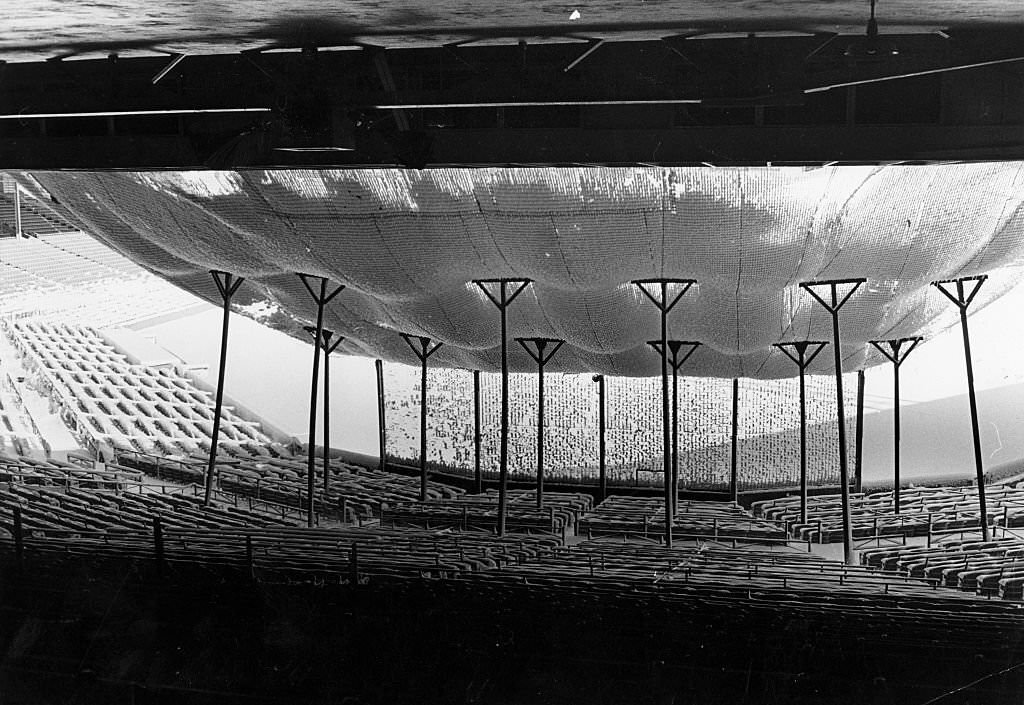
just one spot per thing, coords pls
(503, 457)
(666, 429)
(17, 211)
(858, 468)
(803, 441)
(540, 428)
(844, 473)
(219, 400)
(896, 435)
(381, 430)
(327, 419)
(675, 436)
(602, 468)
(311, 450)
(477, 474)
(974, 419)
(734, 490)
(423, 424)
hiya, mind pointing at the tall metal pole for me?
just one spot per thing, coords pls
(664, 306)
(503, 453)
(893, 351)
(669, 491)
(17, 211)
(227, 285)
(329, 348)
(381, 429)
(321, 298)
(962, 302)
(802, 360)
(423, 353)
(803, 444)
(539, 356)
(675, 437)
(858, 468)
(601, 459)
(734, 491)
(833, 305)
(477, 474)
(502, 301)
(311, 445)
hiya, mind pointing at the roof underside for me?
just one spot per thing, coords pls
(407, 245)
(138, 25)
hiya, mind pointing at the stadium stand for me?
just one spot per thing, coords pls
(560, 514)
(355, 495)
(768, 433)
(645, 516)
(924, 511)
(130, 407)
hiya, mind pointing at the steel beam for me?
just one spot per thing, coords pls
(227, 285)
(505, 292)
(658, 292)
(536, 349)
(962, 300)
(381, 427)
(422, 348)
(329, 348)
(833, 304)
(798, 352)
(321, 298)
(478, 479)
(896, 353)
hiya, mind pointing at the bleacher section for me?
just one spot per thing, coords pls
(36, 218)
(128, 407)
(924, 511)
(561, 511)
(987, 568)
(645, 516)
(355, 493)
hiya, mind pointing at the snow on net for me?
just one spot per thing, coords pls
(407, 244)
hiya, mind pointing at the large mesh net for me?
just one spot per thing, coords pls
(408, 245)
(768, 438)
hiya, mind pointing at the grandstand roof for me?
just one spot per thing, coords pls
(409, 243)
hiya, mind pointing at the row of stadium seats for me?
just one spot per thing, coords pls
(645, 516)
(923, 511)
(30, 471)
(561, 511)
(354, 494)
(983, 567)
(52, 508)
(126, 406)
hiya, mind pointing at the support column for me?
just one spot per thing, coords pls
(536, 347)
(422, 349)
(858, 467)
(477, 439)
(658, 291)
(381, 428)
(674, 348)
(328, 347)
(505, 292)
(802, 359)
(227, 285)
(734, 490)
(894, 351)
(602, 469)
(833, 303)
(321, 298)
(17, 211)
(962, 301)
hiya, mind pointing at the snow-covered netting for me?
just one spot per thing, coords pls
(407, 244)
